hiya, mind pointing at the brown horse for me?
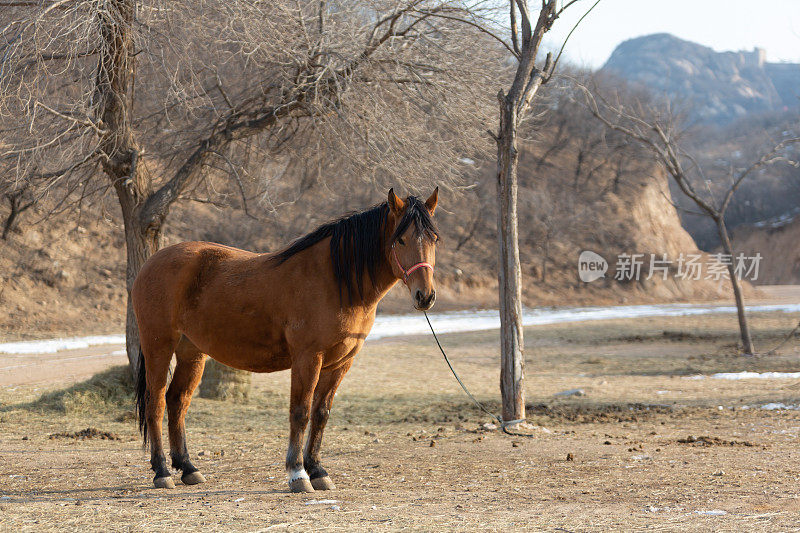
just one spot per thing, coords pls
(307, 308)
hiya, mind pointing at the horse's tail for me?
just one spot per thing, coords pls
(141, 397)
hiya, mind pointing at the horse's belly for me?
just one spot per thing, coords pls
(261, 355)
(253, 360)
(269, 364)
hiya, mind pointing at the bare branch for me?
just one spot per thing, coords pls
(575, 27)
(766, 159)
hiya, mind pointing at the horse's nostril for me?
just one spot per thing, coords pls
(424, 301)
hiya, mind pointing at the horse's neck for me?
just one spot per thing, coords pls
(384, 281)
(375, 290)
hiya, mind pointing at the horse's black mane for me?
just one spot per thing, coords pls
(357, 242)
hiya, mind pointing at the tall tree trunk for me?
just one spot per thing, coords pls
(141, 241)
(744, 328)
(513, 107)
(509, 273)
(113, 95)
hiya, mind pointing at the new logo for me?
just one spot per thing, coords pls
(591, 266)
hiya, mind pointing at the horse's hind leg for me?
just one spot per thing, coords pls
(158, 357)
(190, 362)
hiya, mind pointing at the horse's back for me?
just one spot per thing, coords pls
(219, 298)
(184, 258)
(176, 273)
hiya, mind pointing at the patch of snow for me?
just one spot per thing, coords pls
(756, 375)
(735, 376)
(320, 502)
(571, 392)
(713, 512)
(57, 345)
(460, 321)
(665, 509)
(778, 221)
(778, 406)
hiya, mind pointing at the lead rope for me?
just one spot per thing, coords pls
(784, 341)
(503, 425)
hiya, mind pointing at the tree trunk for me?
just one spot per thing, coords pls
(12, 215)
(113, 97)
(221, 382)
(140, 243)
(509, 272)
(744, 328)
(18, 206)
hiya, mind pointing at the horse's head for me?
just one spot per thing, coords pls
(412, 245)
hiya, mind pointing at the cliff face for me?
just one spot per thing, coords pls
(721, 86)
(640, 220)
(777, 242)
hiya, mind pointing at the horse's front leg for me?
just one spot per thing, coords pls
(329, 381)
(305, 373)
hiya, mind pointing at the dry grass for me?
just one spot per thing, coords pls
(109, 392)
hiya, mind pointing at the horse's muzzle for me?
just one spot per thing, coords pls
(423, 302)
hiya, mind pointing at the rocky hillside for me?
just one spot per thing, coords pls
(721, 86)
(777, 241)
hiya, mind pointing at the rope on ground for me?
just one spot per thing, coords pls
(784, 341)
(503, 424)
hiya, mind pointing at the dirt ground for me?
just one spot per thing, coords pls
(648, 446)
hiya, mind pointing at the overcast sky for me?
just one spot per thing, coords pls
(721, 24)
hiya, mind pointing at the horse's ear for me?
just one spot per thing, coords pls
(396, 204)
(430, 203)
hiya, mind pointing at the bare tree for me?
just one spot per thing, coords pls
(563, 122)
(527, 33)
(162, 97)
(769, 194)
(656, 130)
(554, 211)
(20, 198)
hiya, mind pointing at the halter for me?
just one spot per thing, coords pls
(408, 272)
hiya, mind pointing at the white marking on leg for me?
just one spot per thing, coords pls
(297, 473)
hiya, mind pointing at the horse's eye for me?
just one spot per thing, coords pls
(401, 241)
